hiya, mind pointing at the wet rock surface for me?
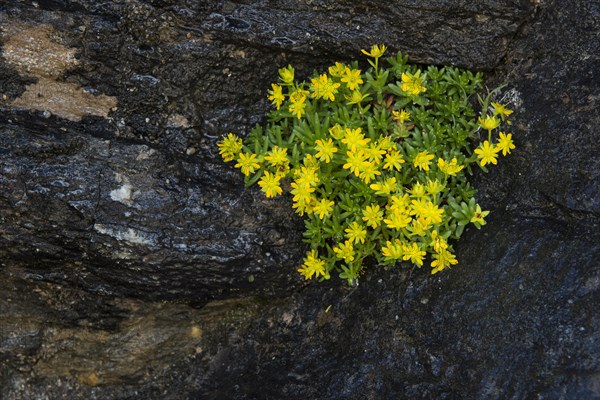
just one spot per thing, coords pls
(134, 264)
(131, 220)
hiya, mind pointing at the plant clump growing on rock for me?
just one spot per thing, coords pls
(376, 161)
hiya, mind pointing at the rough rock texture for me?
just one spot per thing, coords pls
(133, 263)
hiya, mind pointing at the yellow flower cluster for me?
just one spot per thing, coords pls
(449, 168)
(371, 177)
(324, 87)
(487, 152)
(375, 52)
(230, 147)
(341, 79)
(406, 215)
(313, 265)
(412, 214)
(412, 83)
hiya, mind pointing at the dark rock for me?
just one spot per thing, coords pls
(128, 219)
(495, 329)
(554, 75)
(113, 201)
(156, 88)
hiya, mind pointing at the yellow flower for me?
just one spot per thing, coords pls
(413, 253)
(397, 219)
(355, 233)
(298, 107)
(369, 170)
(372, 215)
(247, 163)
(385, 143)
(376, 51)
(306, 175)
(489, 122)
(305, 204)
(298, 95)
(302, 192)
(437, 242)
(412, 84)
(337, 70)
(393, 160)
(352, 78)
(325, 150)
(434, 187)
(230, 147)
(384, 188)
(277, 156)
(433, 213)
(487, 153)
(323, 87)
(344, 251)
(276, 95)
(311, 162)
(442, 259)
(422, 160)
(399, 203)
(287, 75)
(356, 162)
(313, 265)
(353, 138)
(419, 226)
(418, 190)
(323, 208)
(336, 132)
(449, 168)
(501, 110)
(302, 207)
(392, 251)
(418, 207)
(505, 143)
(270, 184)
(374, 153)
(478, 216)
(400, 115)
